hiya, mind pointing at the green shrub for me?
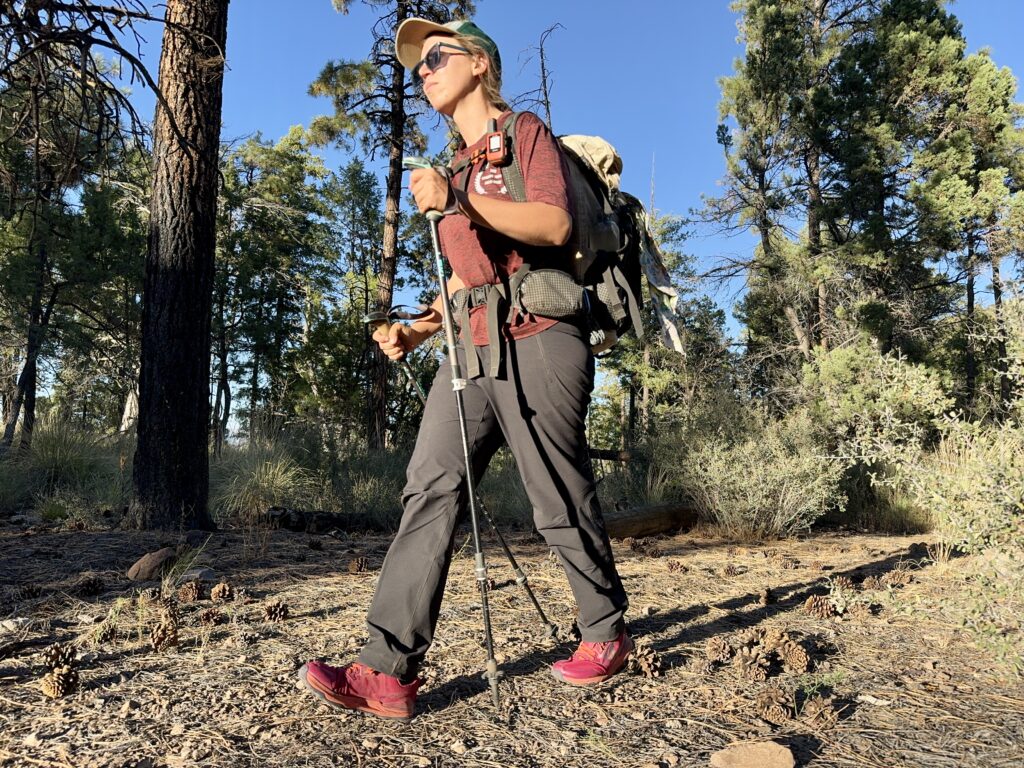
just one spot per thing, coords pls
(973, 486)
(776, 481)
(856, 390)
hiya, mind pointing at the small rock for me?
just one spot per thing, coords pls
(177, 729)
(423, 762)
(33, 740)
(199, 574)
(763, 754)
(459, 747)
(670, 759)
(371, 742)
(151, 565)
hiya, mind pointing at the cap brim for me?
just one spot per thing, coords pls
(410, 36)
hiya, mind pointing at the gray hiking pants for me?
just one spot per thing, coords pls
(539, 409)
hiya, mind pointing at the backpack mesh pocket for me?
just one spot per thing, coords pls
(551, 293)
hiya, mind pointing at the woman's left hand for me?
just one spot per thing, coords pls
(431, 190)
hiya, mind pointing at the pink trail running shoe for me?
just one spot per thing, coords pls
(357, 686)
(594, 662)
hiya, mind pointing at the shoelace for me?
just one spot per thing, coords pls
(591, 651)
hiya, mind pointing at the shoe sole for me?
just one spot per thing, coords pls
(348, 703)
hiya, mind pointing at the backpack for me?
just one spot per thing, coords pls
(606, 234)
(613, 251)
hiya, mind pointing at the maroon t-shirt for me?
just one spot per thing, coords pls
(482, 256)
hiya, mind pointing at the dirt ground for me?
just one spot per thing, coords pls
(894, 681)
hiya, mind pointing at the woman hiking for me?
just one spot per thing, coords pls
(537, 403)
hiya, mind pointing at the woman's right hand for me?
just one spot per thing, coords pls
(398, 341)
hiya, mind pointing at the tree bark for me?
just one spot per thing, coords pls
(649, 521)
(1002, 362)
(970, 361)
(378, 404)
(171, 470)
(25, 392)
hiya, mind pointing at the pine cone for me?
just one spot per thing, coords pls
(169, 610)
(59, 655)
(630, 542)
(647, 547)
(190, 591)
(358, 565)
(645, 661)
(60, 682)
(676, 566)
(788, 564)
(820, 606)
(793, 656)
(222, 592)
(164, 635)
(898, 577)
(819, 712)
(89, 586)
(751, 664)
(211, 617)
(767, 597)
(148, 595)
(750, 638)
(275, 611)
(772, 640)
(843, 582)
(774, 705)
(242, 596)
(717, 650)
(316, 545)
(817, 565)
(871, 583)
(730, 570)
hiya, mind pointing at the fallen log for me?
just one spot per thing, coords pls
(649, 521)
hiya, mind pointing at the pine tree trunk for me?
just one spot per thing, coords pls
(970, 361)
(171, 471)
(815, 204)
(25, 391)
(1002, 364)
(378, 405)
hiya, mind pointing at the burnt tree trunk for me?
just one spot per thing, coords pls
(171, 472)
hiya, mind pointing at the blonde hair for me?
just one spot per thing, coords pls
(491, 80)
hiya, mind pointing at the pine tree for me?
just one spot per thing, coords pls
(374, 102)
(170, 471)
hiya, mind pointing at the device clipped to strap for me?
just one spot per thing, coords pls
(496, 145)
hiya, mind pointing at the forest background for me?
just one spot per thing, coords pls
(850, 285)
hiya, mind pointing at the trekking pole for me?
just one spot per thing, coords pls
(492, 675)
(382, 321)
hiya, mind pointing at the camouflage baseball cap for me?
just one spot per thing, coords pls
(412, 32)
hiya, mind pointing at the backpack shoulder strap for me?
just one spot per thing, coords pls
(512, 174)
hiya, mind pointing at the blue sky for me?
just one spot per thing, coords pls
(643, 75)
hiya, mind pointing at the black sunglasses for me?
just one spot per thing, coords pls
(435, 59)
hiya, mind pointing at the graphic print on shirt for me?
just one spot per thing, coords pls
(489, 177)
